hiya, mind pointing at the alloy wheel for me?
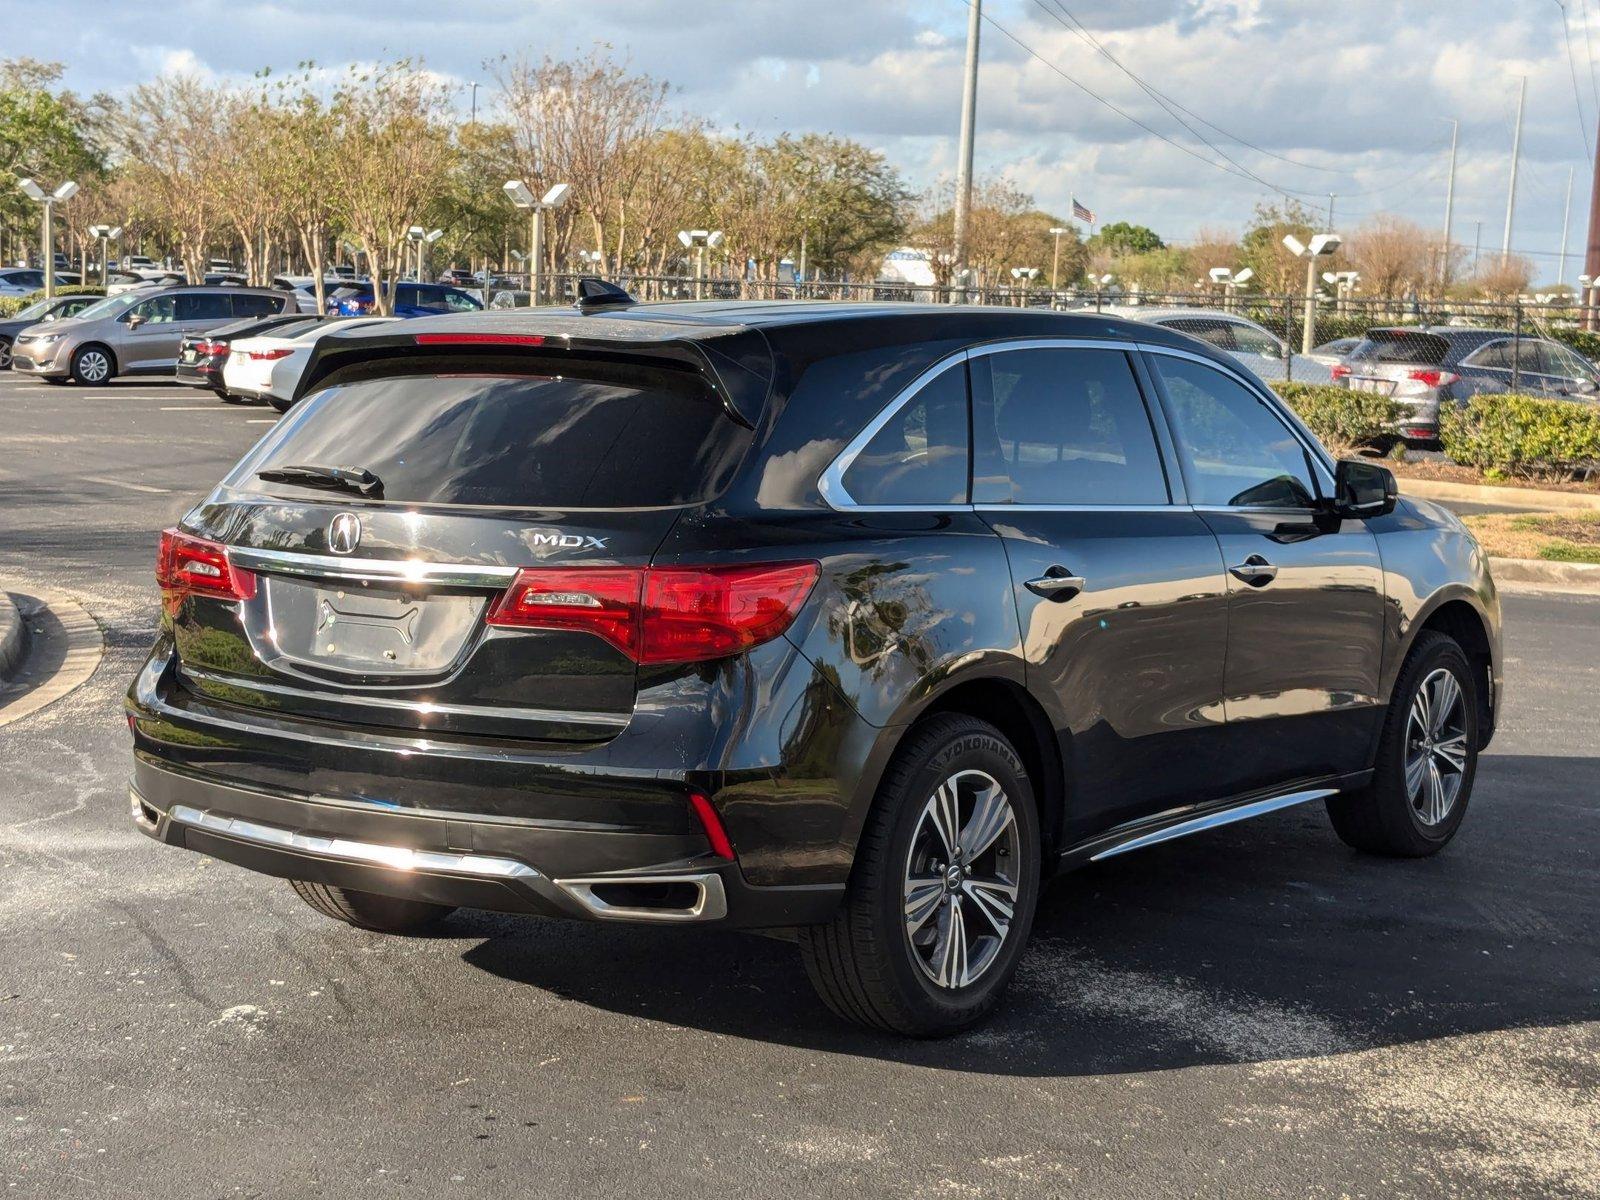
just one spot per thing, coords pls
(961, 879)
(5, 355)
(93, 366)
(1436, 747)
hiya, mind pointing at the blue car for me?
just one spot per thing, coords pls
(411, 300)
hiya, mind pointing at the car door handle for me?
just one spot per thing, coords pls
(1056, 584)
(1255, 570)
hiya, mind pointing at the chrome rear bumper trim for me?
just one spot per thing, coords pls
(1213, 820)
(710, 905)
(398, 858)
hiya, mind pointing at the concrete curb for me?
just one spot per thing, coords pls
(1533, 499)
(13, 636)
(65, 646)
(1569, 577)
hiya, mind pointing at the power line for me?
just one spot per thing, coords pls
(1236, 170)
(1167, 102)
(1572, 69)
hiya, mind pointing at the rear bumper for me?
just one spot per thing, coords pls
(501, 865)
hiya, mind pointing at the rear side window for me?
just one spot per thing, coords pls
(1062, 427)
(252, 305)
(920, 456)
(1401, 346)
(590, 436)
(203, 306)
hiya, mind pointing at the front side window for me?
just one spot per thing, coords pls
(460, 302)
(1237, 452)
(158, 310)
(1063, 426)
(920, 456)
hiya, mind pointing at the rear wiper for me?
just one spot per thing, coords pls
(349, 479)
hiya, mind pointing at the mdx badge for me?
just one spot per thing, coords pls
(344, 533)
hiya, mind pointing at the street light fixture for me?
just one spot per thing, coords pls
(1025, 276)
(49, 200)
(520, 195)
(699, 240)
(107, 234)
(1322, 244)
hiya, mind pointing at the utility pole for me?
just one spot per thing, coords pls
(969, 119)
(1511, 193)
(1477, 244)
(1591, 257)
(475, 87)
(1449, 206)
(1331, 199)
(1566, 225)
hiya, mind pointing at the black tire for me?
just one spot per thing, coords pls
(5, 354)
(864, 963)
(1387, 816)
(227, 397)
(93, 365)
(368, 910)
(278, 405)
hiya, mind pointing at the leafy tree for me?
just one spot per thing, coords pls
(1120, 238)
(1262, 249)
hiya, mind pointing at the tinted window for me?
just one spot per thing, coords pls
(1237, 451)
(158, 310)
(920, 456)
(1062, 427)
(204, 306)
(1256, 341)
(250, 304)
(1217, 333)
(583, 436)
(1496, 357)
(1568, 364)
(1401, 346)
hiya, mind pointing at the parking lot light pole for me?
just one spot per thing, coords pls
(699, 240)
(1055, 255)
(1025, 276)
(1321, 245)
(106, 234)
(49, 200)
(522, 197)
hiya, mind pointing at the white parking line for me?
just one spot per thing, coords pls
(132, 487)
(188, 407)
(262, 421)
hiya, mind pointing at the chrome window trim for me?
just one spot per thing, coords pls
(599, 720)
(285, 562)
(831, 482)
(995, 507)
(1274, 404)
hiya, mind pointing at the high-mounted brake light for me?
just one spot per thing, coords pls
(1431, 378)
(478, 339)
(661, 614)
(188, 565)
(272, 355)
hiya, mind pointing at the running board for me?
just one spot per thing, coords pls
(1213, 820)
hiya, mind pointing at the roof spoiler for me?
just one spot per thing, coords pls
(596, 293)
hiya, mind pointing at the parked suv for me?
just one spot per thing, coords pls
(1425, 368)
(137, 332)
(850, 620)
(410, 300)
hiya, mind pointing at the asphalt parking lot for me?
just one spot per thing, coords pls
(1257, 1011)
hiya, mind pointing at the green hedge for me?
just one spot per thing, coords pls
(1340, 418)
(10, 306)
(1581, 340)
(1524, 437)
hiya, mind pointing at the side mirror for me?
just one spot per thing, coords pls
(1363, 489)
(135, 320)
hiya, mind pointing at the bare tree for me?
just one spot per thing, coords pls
(391, 156)
(1394, 256)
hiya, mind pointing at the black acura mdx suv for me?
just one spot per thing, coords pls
(852, 622)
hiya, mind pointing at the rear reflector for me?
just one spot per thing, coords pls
(1432, 378)
(189, 565)
(478, 339)
(715, 833)
(661, 614)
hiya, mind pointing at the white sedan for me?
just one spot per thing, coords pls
(1263, 352)
(268, 368)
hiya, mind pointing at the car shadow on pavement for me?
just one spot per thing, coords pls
(1264, 941)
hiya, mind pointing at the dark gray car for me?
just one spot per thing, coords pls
(54, 309)
(136, 333)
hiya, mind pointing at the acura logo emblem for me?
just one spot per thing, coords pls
(344, 533)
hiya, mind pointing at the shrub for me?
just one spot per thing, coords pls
(10, 306)
(1524, 437)
(1341, 418)
(1581, 340)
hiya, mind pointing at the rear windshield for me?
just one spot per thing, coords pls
(1401, 346)
(615, 436)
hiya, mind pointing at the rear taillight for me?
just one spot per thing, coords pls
(1430, 378)
(267, 355)
(661, 614)
(211, 349)
(1340, 371)
(187, 564)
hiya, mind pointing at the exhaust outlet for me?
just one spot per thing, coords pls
(697, 897)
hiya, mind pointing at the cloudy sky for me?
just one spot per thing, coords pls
(1314, 96)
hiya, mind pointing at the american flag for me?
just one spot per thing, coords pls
(1080, 212)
